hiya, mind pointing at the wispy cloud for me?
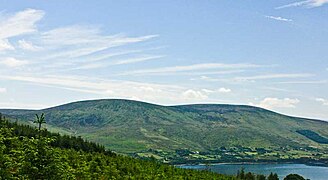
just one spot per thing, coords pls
(25, 45)
(18, 24)
(273, 76)
(306, 3)
(220, 72)
(220, 90)
(64, 49)
(205, 78)
(101, 57)
(194, 67)
(47, 58)
(202, 73)
(278, 18)
(211, 79)
(77, 41)
(80, 82)
(77, 35)
(118, 62)
(304, 82)
(278, 89)
(12, 62)
(5, 45)
(107, 88)
(253, 78)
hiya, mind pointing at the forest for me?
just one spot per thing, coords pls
(30, 153)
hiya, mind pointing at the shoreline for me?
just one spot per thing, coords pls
(250, 163)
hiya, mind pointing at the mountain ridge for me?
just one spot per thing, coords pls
(155, 104)
(134, 127)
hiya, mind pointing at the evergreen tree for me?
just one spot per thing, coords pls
(293, 177)
(40, 120)
(249, 176)
(260, 177)
(273, 176)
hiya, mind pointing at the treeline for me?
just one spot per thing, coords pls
(60, 141)
(241, 175)
(29, 153)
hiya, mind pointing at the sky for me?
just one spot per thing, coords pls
(271, 54)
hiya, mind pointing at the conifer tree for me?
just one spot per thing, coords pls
(40, 120)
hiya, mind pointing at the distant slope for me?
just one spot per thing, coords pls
(129, 126)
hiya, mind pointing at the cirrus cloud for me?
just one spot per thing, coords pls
(306, 3)
(278, 18)
(12, 62)
(25, 45)
(20, 23)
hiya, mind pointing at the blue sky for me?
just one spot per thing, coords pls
(271, 54)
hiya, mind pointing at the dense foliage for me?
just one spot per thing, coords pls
(293, 177)
(23, 155)
(313, 136)
(60, 141)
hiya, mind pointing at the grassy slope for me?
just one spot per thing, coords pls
(129, 126)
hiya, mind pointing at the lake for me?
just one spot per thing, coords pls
(310, 172)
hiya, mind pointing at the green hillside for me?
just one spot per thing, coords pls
(188, 132)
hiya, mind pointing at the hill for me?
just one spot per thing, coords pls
(187, 132)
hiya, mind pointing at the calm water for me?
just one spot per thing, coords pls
(310, 172)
